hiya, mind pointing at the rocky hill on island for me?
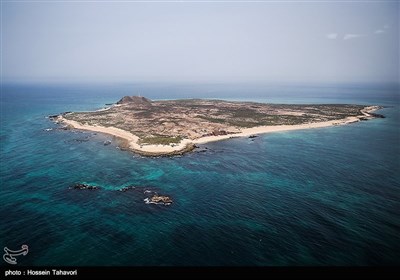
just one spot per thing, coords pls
(135, 100)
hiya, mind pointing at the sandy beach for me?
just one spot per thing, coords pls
(187, 144)
(131, 139)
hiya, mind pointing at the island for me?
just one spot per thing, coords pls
(171, 127)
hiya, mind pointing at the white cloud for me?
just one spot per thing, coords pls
(352, 36)
(331, 36)
(379, 31)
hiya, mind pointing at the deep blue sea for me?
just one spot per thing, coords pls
(327, 196)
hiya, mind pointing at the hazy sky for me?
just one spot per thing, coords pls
(194, 41)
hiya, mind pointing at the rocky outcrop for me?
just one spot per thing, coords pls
(80, 186)
(53, 117)
(202, 150)
(158, 199)
(149, 194)
(377, 115)
(136, 100)
(107, 142)
(56, 117)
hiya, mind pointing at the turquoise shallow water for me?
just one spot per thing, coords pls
(326, 196)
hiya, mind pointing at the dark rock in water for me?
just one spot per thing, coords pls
(109, 104)
(106, 143)
(136, 100)
(253, 136)
(64, 128)
(52, 117)
(148, 194)
(199, 149)
(363, 119)
(80, 186)
(377, 115)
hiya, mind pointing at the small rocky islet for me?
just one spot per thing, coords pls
(158, 199)
(150, 196)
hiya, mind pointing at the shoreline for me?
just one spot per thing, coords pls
(130, 141)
